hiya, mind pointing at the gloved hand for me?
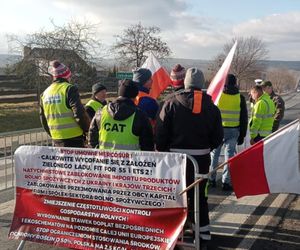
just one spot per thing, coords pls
(240, 141)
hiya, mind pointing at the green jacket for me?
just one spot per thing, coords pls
(262, 117)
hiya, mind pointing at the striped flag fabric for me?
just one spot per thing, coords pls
(269, 166)
(160, 77)
(216, 86)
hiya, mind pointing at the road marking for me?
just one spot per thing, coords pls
(263, 221)
(232, 213)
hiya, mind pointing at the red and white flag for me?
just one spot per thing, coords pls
(216, 86)
(160, 77)
(269, 166)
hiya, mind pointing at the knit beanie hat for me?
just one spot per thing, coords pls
(230, 80)
(128, 88)
(230, 86)
(177, 75)
(194, 79)
(141, 76)
(97, 87)
(59, 70)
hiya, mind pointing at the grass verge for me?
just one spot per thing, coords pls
(23, 115)
(19, 116)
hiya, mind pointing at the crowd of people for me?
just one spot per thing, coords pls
(185, 121)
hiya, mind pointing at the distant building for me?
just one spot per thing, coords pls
(41, 58)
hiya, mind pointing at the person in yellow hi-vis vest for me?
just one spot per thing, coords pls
(235, 122)
(121, 125)
(97, 101)
(262, 117)
(278, 102)
(61, 112)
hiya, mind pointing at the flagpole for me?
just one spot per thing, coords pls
(279, 130)
(201, 179)
(224, 163)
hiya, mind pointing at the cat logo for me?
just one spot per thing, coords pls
(115, 127)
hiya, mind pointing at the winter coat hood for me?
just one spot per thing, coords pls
(121, 108)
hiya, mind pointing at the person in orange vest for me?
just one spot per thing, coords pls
(61, 112)
(142, 77)
(190, 123)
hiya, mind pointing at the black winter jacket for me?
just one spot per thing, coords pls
(178, 127)
(121, 109)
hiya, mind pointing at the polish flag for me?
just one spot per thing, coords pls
(160, 77)
(269, 166)
(216, 86)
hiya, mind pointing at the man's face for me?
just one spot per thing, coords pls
(101, 95)
(267, 89)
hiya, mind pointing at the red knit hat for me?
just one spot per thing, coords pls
(177, 75)
(59, 70)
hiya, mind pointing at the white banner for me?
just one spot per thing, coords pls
(89, 199)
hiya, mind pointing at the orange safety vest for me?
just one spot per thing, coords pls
(140, 95)
(197, 107)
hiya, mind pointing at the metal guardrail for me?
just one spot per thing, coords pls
(9, 142)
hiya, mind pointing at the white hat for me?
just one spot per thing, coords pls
(258, 81)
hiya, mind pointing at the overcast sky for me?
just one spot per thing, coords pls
(193, 29)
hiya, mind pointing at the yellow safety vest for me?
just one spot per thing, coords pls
(60, 118)
(94, 105)
(230, 107)
(117, 135)
(262, 118)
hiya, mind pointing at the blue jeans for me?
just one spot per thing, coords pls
(230, 141)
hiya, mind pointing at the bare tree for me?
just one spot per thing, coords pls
(283, 80)
(75, 44)
(247, 63)
(136, 41)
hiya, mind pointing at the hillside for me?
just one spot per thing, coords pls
(170, 62)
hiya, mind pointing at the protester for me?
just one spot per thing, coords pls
(177, 76)
(235, 122)
(61, 112)
(142, 77)
(120, 125)
(278, 101)
(262, 117)
(257, 83)
(97, 101)
(190, 123)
